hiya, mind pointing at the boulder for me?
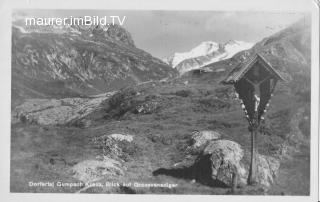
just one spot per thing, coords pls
(93, 170)
(267, 169)
(117, 146)
(121, 137)
(200, 138)
(221, 160)
(223, 157)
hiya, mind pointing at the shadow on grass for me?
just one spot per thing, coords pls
(201, 171)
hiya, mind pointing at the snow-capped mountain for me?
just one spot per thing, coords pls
(204, 48)
(206, 53)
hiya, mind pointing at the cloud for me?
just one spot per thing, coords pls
(249, 26)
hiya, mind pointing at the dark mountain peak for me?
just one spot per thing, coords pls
(102, 33)
(68, 61)
(118, 33)
(114, 33)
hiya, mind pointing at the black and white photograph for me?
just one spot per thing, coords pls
(163, 102)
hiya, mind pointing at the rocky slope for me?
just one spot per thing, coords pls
(288, 51)
(71, 61)
(205, 53)
(57, 111)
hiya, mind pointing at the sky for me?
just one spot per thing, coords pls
(162, 33)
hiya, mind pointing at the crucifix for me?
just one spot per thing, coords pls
(256, 89)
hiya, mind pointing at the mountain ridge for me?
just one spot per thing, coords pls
(47, 63)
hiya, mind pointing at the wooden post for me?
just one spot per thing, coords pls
(235, 176)
(252, 178)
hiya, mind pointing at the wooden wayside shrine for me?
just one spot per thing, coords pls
(254, 81)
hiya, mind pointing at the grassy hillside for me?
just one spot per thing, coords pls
(161, 133)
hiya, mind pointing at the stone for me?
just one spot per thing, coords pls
(225, 157)
(221, 161)
(117, 146)
(267, 169)
(121, 137)
(200, 138)
(93, 170)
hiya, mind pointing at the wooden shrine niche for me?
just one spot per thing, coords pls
(254, 82)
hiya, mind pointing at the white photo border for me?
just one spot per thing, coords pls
(311, 6)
